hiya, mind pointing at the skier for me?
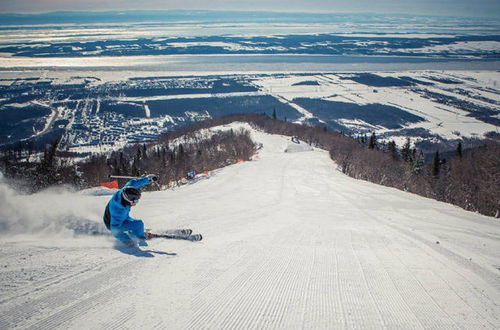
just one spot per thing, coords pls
(116, 216)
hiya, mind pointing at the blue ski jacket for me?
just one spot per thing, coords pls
(117, 211)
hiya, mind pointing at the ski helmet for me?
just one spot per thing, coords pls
(131, 194)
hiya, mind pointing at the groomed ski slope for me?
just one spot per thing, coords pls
(289, 243)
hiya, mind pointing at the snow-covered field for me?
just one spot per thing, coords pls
(289, 242)
(448, 104)
(445, 120)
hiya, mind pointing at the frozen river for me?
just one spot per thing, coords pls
(245, 63)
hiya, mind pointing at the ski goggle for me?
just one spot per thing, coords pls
(133, 201)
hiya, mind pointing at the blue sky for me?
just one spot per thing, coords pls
(476, 8)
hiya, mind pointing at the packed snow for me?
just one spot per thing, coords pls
(289, 242)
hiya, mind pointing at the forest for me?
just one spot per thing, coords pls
(468, 178)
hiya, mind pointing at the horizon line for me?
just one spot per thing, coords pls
(319, 13)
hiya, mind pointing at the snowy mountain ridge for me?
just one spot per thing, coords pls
(289, 242)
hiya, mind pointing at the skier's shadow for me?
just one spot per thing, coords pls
(134, 251)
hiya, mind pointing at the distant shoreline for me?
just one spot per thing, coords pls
(203, 16)
(244, 63)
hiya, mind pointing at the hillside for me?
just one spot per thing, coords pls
(289, 242)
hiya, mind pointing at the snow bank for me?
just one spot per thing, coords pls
(48, 212)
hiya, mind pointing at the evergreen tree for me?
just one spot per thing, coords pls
(373, 141)
(181, 151)
(459, 150)
(49, 157)
(418, 163)
(392, 150)
(363, 139)
(274, 114)
(406, 151)
(436, 164)
(138, 154)
(123, 164)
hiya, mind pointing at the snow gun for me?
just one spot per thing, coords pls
(136, 177)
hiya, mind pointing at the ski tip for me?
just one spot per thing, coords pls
(195, 238)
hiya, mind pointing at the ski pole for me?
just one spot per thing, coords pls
(131, 177)
(157, 185)
(122, 177)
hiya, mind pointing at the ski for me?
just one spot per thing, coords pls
(182, 232)
(192, 238)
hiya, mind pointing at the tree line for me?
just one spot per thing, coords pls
(469, 179)
(172, 157)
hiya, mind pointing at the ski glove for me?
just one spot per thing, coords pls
(153, 177)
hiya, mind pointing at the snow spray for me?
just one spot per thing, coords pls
(50, 211)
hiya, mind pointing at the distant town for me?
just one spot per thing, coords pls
(89, 115)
